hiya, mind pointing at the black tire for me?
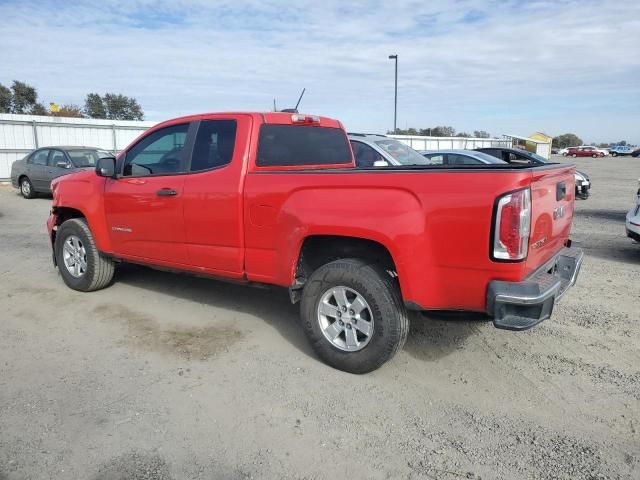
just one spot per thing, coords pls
(100, 269)
(595, 155)
(26, 188)
(381, 292)
(574, 155)
(565, 154)
(614, 154)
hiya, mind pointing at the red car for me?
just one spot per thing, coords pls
(584, 152)
(275, 198)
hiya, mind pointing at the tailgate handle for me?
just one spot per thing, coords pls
(166, 192)
(561, 190)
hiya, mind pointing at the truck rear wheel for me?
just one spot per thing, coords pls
(353, 315)
(80, 263)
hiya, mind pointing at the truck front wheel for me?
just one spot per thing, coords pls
(353, 315)
(80, 263)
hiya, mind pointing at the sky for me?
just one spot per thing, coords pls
(507, 67)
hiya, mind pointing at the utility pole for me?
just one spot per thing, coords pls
(395, 99)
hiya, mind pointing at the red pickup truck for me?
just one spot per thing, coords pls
(275, 198)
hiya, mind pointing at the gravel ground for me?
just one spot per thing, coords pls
(164, 376)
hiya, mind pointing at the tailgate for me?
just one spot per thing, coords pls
(552, 200)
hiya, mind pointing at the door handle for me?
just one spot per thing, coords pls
(166, 192)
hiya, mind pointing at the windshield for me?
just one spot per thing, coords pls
(536, 157)
(488, 158)
(85, 158)
(402, 153)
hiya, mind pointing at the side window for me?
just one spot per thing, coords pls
(39, 157)
(214, 144)
(159, 153)
(365, 155)
(435, 159)
(519, 160)
(57, 157)
(455, 159)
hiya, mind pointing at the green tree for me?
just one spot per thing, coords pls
(5, 99)
(463, 134)
(24, 99)
(39, 109)
(566, 140)
(443, 131)
(481, 134)
(121, 107)
(94, 106)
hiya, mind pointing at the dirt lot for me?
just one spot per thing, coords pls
(164, 376)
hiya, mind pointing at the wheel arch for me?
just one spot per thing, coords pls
(61, 215)
(319, 249)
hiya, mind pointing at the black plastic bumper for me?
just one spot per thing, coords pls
(633, 235)
(521, 305)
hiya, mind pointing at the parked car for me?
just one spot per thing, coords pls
(565, 151)
(584, 152)
(636, 153)
(372, 150)
(275, 198)
(620, 150)
(632, 223)
(514, 156)
(453, 157)
(34, 173)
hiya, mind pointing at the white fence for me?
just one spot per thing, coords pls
(439, 143)
(20, 134)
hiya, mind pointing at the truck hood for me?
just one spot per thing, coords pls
(83, 173)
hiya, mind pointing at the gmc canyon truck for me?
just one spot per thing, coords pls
(275, 198)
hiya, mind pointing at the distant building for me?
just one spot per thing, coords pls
(538, 142)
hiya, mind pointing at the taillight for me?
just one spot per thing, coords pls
(512, 226)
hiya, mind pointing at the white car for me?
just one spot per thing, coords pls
(633, 220)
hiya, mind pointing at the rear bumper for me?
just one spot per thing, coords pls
(521, 305)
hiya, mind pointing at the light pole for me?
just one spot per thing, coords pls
(395, 98)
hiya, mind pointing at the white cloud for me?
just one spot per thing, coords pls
(500, 66)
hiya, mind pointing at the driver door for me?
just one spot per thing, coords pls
(144, 204)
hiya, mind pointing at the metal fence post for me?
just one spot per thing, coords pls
(113, 132)
(35, 134)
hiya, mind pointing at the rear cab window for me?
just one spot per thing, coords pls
(288, 145)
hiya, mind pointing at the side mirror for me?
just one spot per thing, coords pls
(106, 167)
(63, 165)
(380, 163)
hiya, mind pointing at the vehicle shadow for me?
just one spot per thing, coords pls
(623, 251)
(610, 215)
(270, 304)
(435, 335)
(600, 244)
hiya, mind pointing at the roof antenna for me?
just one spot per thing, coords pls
(300, 99)
(295, 110)
(275, 109)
